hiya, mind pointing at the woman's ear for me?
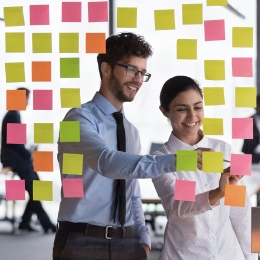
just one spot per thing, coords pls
(105, 69)
(164, 112)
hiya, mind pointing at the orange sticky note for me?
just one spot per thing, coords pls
(235, 195)
(41, 71)
(15, 100)
(95, 43)
(43, 161)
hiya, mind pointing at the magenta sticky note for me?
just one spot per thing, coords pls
(71, 11)
(15, 189)
(214, 30)
(242, 128)
(39, 15)
(98, 11)
(184, 190)
(241, 164)
(16, 133)
(72, 188)
(242, 67)
(42, 99)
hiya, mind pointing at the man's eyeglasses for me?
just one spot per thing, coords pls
(133, 72)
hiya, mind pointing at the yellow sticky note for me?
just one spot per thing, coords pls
(212, 162)
(187, 49)
(214, 69)
(41, 43)
(245, 97)
(14, 42)
(70, 97)
(212, 126)
(164, 19)
(42, 190)
(72, 163)
(13, 16)
(15, 72)
(69, 43)
(126, 17)
(235, 195)
(192, 14)
(43, 133)
(242, 37)
(217, 3)
(213, 96)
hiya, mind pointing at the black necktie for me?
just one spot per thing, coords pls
(121, 198)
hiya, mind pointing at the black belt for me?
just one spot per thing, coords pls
(107, 232)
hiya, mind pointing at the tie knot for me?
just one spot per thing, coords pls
(118, 117)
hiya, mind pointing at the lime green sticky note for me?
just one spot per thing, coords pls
(72, 163)
(69, 131)
(15, 72)
(186, 160)
(164, 19)
(212, 162)
(187, 49)
(126, 17)
(14, 42)
(42, 190)
(43, 133)
(214, 69)
(216, 2)
(41, 43)
(70, 97)
(212, 126)
(192, 14)
(245, 97)
(13, 16)
(242, 37)
(69, 67)
(213, 96)
(69, 43)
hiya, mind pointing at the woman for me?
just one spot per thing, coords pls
(205, 228)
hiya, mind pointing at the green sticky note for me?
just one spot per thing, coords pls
(69, 131)
(72, 163)
(13, 16)
(164, 19)
(217, 3)
(245, 97)
(186, 160)
(242, 37)
(214, 69)
(213, 96)
(43, 133)
(212, 161)
(192, 14)
(187, 49)
(42, 190)
(70, 97)
(42, 42)
(212, 126)
(14, 42)
(126, 17)
(69, 67)
(15, 72)
(69, 43)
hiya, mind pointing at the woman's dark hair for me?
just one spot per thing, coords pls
(26, 89)
(174, 86)
(124, 45)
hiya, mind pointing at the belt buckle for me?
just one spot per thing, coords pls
(106, 236)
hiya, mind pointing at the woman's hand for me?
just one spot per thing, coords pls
(199, 155)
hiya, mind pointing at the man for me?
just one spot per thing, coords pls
(19, 159)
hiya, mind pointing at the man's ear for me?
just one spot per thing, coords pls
(105, 69)
(164, 112)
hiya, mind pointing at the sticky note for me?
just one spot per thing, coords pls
(214, 69)
(241, 164)
(71, 16)
(14, 72)
(126, 17)
(15, 189)
(43, 161)
(98, 11)
(184, 190)
(217, 3)
(192, 14)
(213, 126)
(95, 43)
(69, 68)
(214, 30)
(212, 161)
(42, 99)
(39, 15)
(70, 97)
(242, 37)
(41, 42)
(69, 131)
(14, 42)
(41, 71)
(69, 43)
(16, 100)
(242, 67)
(72, 164)
(164, 19)
(242, 128)
(13, 16)
(245, 97)
(72, 188)
(213, 96)
(43, 133)
(187, 49)
(16, 133)
(186, 160)
(235, 195)
(42, 190)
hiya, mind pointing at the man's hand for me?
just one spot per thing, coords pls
(146, 248)
(199, 155)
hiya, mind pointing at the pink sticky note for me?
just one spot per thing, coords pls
(39, 15)
(214, 30)
(241, 164)
(242, 67)
(184, 190)
(97, 12)
(42, 99)
(16, 133)
(242, 128)
(72, 188)
(71, 11)
(15, 189)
